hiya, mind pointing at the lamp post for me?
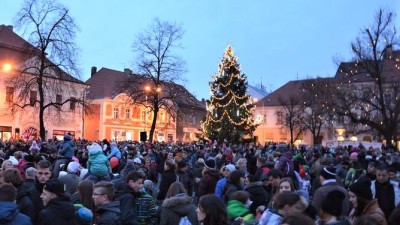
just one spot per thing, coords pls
(154, 91)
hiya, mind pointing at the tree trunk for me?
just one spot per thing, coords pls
(42, 129)
(154, 121)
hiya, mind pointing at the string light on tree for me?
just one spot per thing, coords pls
(230, 108)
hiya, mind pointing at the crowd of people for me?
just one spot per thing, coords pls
(80, 182)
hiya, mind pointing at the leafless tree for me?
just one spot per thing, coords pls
(160, 71)
(48, 61)
(318, 110)
(368, 93)
(292, 111)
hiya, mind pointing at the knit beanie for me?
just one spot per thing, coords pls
(333, 203)
(362, 189)
(328, 173)
(210, 163)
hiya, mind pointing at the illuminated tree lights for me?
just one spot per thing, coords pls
(229, 109)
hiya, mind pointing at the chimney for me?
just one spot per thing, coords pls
(127, 71)
(93, 71)
(10, 27)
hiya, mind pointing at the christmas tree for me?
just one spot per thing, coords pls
(229, 109)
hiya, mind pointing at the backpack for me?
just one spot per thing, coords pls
(184, 221)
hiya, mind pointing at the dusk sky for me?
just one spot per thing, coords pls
(275, 40)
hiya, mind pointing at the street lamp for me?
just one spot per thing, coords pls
(6, 67)
(149, 90)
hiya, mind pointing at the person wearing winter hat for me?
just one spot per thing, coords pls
(97, 164)
(361, 199)
(210, 177)
(71, 179)
(329, 183)
(64, 154)
(331, 209)
(58, 208)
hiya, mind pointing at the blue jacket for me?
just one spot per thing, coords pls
(114, 151)
(10, 215)
(219, 188)
(67, 147)
(98, 164)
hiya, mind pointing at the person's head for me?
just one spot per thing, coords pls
(169, 165)
(43, 171)
(241, 196)
(52, 189)
(327, 173)
(274, 177)
(241, 163)
(237, 178)
(261, 161)
(297, 218)
(371, 168)
(30, 173)
(360, 195)
(382, 174)
(182, 165)
(8, 193)
(174, 189)
(332, 204)
(286, 184)
(85, 190)
(211, 210)
(7, 164)
(394, 217)
(288, 203)
(209, 164)
(11, 176)
(135, 180)
(103, 193)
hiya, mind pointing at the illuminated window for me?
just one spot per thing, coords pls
(9, 94)
(116, 112)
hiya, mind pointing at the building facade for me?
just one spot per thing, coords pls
(16, 123)
(115, 116)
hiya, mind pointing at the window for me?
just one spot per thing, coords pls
(279, 118)
(32, 97)
(72, 103)
(116, 112)
(127, 113)
(58, 99)
(143, 115)
(9, 94)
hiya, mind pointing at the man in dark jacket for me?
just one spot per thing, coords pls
(43, 174)
(9, 213)
(107, 211)
(134, 182)
(258, 195)
(67, 150)
(58, 207)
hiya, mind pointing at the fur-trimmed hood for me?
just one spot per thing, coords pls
(179, 199)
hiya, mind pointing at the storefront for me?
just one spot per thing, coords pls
(5, 133)
(59, 134)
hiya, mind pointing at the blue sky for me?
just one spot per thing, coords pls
(275, 40)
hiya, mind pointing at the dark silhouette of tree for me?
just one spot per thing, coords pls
(292, 110)
(159, 70)
(368, 88)
(48, 61)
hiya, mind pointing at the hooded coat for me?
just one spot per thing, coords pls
(108, 214)
(208, 183)
(98, 163)
(258, 195)
(24, 202)
(237, 209)
(176, 207)
(67, 147)
(9, 215)
(59, 211)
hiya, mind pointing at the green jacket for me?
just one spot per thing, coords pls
(237, 209)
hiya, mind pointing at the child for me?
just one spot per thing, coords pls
(98, 164)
